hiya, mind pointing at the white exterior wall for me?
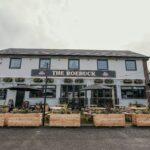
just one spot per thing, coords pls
(61, 63)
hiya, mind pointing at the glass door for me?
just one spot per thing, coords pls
(72, 95)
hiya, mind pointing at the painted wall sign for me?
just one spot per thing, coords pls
(73, 73)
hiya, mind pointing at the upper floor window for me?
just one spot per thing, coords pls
(15, 63)
(131, 65)
(73, 64)
(102, 64)
(44, 63)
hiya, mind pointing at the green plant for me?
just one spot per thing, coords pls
(50, 80)
(68, 80)
(7, 79)
(79, 80)
(109, 81)
(127, 81)
(4, 109)
(138, 81)
(98, 81)
(38, 80)
(19, 79)
(145, 111)
(16, 110)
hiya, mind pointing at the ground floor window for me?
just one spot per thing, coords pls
(51, 91)
(133, 92)
(3, 94)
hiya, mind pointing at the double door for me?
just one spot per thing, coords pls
(72, 94)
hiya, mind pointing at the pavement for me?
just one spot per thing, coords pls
(84, 138)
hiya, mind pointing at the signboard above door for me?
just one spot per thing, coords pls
(73, 73)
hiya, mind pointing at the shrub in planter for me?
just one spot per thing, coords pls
(141, 118)
(19, 79)
(98, 81)
(50, 80)
(7, 79)
(79, 80)
(38, 80)
(23, 117)
(68, 80)
(109, 81)
(109, 117)
(2, 120)
(127, 81)
(138, 81)
(65, 118)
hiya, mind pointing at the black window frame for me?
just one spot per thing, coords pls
(127, 67)
(40, 59)
(5, 94)
(73, 68)
(102, 60)
(15, 67)
(42, 87)
(132, 88)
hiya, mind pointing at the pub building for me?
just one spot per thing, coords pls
(84, 77)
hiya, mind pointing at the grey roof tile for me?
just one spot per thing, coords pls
(71, 52)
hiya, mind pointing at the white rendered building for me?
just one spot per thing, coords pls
(70, 71)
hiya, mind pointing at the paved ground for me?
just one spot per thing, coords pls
(129, 138)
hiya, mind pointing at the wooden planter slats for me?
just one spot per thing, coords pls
(64, 120)
(109, 120)
(141, 119)
(31, 119)
(2, 119)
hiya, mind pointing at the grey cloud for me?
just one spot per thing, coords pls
(28, 24)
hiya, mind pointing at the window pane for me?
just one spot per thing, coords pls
(51, 92)
(133, 92)
(15, 63)
(44, 63)
(2, 94)
(102, 65)
(130, 65)
(73, 64)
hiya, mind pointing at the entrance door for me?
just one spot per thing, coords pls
(72, 94)
(19, 98)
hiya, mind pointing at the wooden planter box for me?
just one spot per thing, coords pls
(64, 120)
(109, 120)
(23, 120)
(141, 119)
(2, 119)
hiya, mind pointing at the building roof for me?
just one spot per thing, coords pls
(71, 52)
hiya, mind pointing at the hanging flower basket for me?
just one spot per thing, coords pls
(7, 79)
(68, 80)
(50, 80)
(109, 81)
(98, 81)
(38, 80)
(138, 81)
(19, 79)
(79, 80)
(127, 81)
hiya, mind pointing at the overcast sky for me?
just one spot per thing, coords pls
(87, 24)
